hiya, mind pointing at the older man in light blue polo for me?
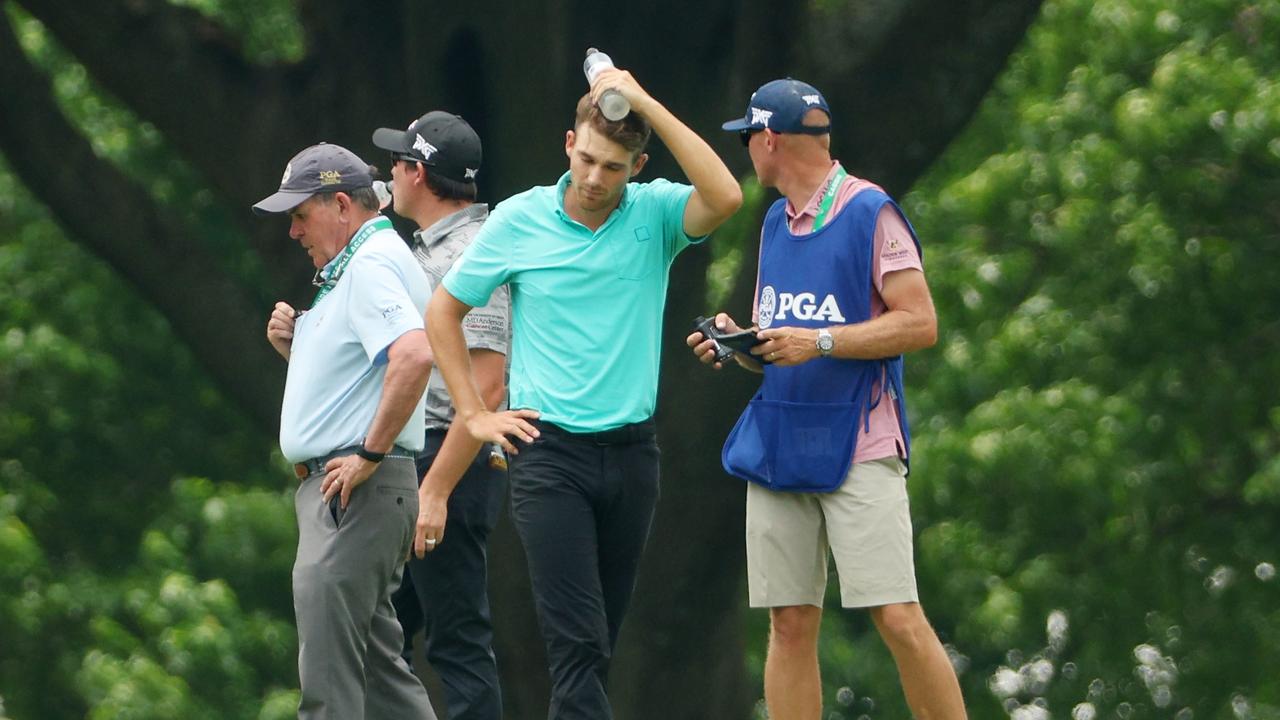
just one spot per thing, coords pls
(351, 421)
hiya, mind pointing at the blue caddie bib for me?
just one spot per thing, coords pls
(800, 430)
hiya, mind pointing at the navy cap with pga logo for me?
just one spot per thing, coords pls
(442, 141)
(780, 106)
(317, 169)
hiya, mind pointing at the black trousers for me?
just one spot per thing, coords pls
(583, 505)
(446, 592)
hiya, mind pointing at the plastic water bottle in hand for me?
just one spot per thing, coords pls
(612, 105)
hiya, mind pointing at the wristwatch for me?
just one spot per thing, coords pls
(371, 456)
(826, 343)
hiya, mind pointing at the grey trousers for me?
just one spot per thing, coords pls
(348, 564)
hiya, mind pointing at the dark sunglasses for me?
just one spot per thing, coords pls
(745, 135)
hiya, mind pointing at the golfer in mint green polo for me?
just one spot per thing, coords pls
(572, 283)
(586, 262)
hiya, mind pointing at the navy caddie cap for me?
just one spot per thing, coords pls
(317, 169)
(780, 106)
(442, 141)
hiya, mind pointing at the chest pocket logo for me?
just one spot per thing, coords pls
(635, 257)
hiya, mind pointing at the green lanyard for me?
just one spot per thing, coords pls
(328, 283)
(829, 199)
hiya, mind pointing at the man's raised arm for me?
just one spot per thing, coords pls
(716, 193)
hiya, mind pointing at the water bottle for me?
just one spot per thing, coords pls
(612, 105)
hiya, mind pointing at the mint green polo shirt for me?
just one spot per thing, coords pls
(586, 308)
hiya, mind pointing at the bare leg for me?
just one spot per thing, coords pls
(792, 685)
(928, 680)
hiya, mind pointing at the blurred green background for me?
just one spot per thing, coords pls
(1096, 484)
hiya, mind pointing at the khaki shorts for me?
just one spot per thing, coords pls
(866, 523)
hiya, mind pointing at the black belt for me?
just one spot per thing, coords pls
(307, 468)
(624, 435)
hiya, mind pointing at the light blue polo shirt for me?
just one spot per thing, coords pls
(338, 360)
(586, 308)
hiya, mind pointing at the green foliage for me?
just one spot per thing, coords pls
(1097, 430)
(158, 636)
(102, 406)
(738, 235)
(268, 32)
(137, 148)
(121, 600)
(1095, 481)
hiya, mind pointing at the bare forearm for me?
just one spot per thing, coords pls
(450, 463)
(459, 447)
(893, 333)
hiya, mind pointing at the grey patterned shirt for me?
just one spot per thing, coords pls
(487, 327)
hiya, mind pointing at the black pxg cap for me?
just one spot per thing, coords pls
(442, 141)
(318, 169)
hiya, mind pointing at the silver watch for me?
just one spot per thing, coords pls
(826, 343)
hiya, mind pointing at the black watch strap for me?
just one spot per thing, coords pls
(371, 456)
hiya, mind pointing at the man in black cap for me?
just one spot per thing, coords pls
(352, 415)
(433, 170)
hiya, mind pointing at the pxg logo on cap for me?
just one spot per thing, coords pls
(442, 141)
(780, 106)
(319, 168)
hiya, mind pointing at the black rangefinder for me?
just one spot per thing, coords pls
(727, 343)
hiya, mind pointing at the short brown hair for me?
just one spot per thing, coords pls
(631, 132)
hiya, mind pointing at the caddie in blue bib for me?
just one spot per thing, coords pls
(800, 430)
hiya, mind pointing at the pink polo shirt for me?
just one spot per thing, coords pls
(894, 250)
